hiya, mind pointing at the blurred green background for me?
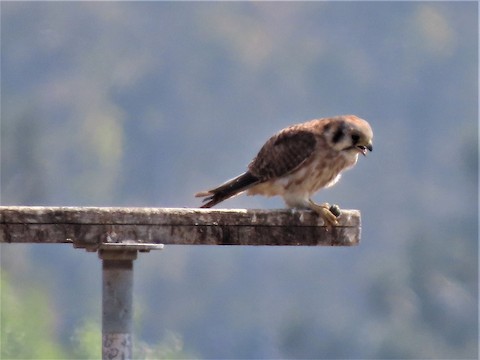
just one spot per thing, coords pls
(145, 103)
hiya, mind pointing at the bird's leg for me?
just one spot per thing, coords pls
(328, 213)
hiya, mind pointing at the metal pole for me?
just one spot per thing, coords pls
(117, 289)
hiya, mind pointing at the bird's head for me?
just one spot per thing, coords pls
(349, 133)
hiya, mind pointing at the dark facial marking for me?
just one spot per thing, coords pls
(339, 134)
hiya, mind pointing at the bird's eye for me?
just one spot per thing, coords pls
(355, 138)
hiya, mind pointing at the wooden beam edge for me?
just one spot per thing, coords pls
(90, 226)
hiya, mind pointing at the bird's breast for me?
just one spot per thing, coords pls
(314, 174)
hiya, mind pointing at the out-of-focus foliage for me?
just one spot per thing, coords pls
(27, 323)
(86, 344)
(145, 103)
(86, 341)
(27, 331)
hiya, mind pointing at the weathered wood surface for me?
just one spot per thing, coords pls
(91, 226)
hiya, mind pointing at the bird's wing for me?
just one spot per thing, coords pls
(283, 153)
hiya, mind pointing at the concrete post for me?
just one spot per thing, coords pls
(117, 289)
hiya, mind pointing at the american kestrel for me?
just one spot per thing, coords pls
(298, 161)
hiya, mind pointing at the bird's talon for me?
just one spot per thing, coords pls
(324, 210)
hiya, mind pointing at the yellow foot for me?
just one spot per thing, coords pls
(328, 213)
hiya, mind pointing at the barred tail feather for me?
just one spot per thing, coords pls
(227, 190)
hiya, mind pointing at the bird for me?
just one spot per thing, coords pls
(298, 161)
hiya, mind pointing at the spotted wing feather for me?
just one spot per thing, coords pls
(283, 153)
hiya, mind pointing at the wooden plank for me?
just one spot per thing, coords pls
(91, 226)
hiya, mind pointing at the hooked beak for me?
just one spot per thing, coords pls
(363, 148)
